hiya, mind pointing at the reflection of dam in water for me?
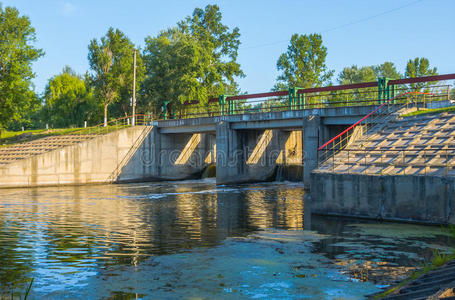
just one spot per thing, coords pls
(86, 237)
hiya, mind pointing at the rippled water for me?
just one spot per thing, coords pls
(194, 239)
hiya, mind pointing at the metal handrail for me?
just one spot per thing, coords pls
(343, 137)
(431, 159)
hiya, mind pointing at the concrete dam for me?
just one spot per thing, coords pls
(244, 148)
(368, 161)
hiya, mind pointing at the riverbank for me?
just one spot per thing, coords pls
(435, 278)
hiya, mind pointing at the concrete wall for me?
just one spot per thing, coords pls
(241, 154)
(92, 161)
(254, 155)
(425, 199)
(170, 157)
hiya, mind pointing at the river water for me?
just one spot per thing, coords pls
(196, 240)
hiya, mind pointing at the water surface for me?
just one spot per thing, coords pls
(192, 239)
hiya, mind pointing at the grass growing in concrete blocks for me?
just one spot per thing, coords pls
(15, 137)
(429, 111)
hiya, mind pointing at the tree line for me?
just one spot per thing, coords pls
(194, 60)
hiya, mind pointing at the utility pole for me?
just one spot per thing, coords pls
(133, 123)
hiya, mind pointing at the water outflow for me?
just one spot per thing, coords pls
(279, 173)
(292, 173)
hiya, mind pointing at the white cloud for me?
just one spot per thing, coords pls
(68, 9)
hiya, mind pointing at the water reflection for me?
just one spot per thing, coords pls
(64, 237)
(70, 228)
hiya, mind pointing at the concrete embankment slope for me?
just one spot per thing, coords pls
(67, 160)
(402, 171)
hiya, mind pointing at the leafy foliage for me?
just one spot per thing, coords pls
(195, 60)
(111, 60)
(419, 67)
(17, 99)
(388, 70)
(68, 100)
(354, 74)
(303, 65)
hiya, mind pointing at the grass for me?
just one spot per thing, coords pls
(14, 137)
(438, 259)
(429, 111)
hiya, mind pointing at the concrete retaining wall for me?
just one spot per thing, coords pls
(170, 157)
(92, 161)
(426, 199)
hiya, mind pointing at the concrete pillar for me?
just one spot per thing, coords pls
(154, 154)
(324, 134)
(229, 160)
(311, 125)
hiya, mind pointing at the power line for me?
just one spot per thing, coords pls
(371, 17)
(341, 26)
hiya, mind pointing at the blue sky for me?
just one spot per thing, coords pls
(357, 32)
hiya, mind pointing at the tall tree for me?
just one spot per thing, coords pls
(387, 69)
(111, 60)
(419, 67)
(195, 60)
(17, 54)
(68, 100)
(303, 64)
(354, 74)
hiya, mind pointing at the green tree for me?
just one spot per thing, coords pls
(195, 60)
(111, 60)
(354, 74)
(303, 64)
(68, 100)
(419, 67)
(17, 53)
(387, 69)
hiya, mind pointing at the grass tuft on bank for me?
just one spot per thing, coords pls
(14, 137)
(429, 111)
(439, 259)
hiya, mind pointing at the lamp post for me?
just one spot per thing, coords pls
(133, 123)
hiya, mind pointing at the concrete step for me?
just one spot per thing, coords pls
(27, 149)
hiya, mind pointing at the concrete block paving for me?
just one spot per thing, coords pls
(419, 145)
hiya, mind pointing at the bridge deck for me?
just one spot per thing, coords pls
(290, 119)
